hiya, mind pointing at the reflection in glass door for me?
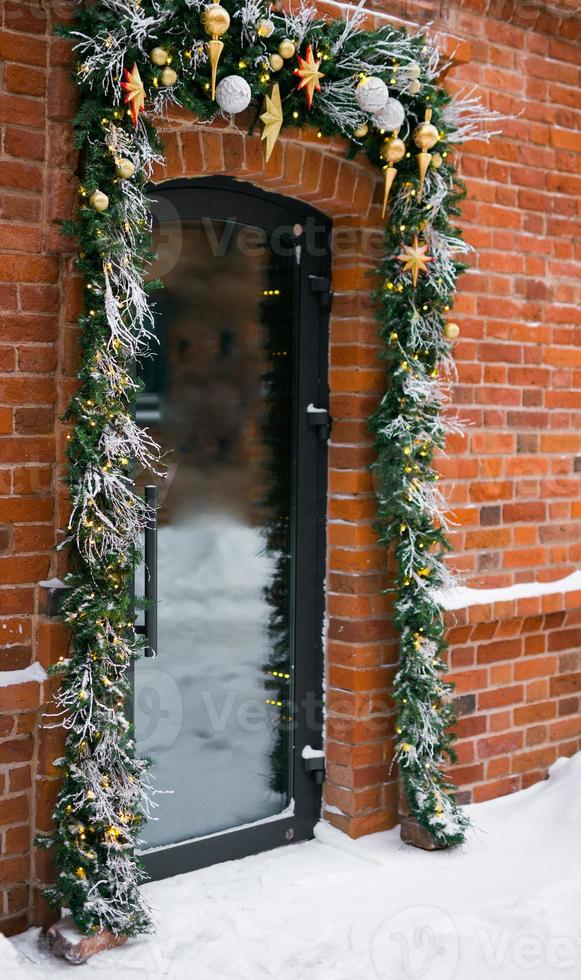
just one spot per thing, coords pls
(216, 710)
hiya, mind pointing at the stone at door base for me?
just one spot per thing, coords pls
(413, 833)
(66, 941)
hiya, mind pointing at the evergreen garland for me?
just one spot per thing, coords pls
(105, 796)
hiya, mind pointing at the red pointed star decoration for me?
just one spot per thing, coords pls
(415, 258)
(134, 92)
(309, 74)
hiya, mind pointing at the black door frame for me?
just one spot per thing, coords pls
(223, 198)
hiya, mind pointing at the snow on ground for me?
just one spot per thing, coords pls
(507, 905)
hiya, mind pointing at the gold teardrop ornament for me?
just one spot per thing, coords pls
(392, 151)
(216, 21)
(425, 137)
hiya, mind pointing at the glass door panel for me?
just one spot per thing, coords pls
(213, 709)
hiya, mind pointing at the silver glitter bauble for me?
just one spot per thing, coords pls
(391, 116)
(371, 94)
(233, 94)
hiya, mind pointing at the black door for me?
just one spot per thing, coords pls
(236, 394)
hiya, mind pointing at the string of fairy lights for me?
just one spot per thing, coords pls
(379, 89)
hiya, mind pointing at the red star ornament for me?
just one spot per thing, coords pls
(309, 74)
(134, 92)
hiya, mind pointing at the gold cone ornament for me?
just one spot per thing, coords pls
(216, 21)
(425, 137)
(392, 151)
(271, 119)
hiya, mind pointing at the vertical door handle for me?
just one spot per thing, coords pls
(150, 590)
(319, 419)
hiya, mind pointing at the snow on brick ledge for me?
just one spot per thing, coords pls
(21, 690)
(467, 605)
(33, 673)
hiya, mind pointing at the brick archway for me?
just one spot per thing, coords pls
(360, 652)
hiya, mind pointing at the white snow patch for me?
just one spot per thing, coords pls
(33, 673)
(505, 906)
(53, 583)
(331, 808)
(462, 596)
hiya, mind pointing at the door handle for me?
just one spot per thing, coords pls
(319, 419)
(150, 572)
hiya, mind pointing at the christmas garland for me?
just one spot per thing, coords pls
(295, 70)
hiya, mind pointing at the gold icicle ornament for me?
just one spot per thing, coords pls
(425, 137)
(392, 151)
(216, 21)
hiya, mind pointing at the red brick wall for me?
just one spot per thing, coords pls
(514, 481)
(36, 189)
(517, 475)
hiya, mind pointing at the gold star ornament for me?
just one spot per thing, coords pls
(415, 259)
(271, 119)
(309, 74)
(134, 92)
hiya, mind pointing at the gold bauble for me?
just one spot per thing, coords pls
(436, 160)
(99, 201)
(287, 48)
(168, 77)
(125, 168)
(361, 131)
(158, 56)
(216, 20)
(426, 135)
(451, 331)
(414, 87)
(275, 61)
(393, 150)
(265, 28)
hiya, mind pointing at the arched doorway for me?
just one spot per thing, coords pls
(236, 394)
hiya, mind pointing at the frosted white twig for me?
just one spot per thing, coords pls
(297, 24)
(466, 118)
(103, 57)
(124, 439)
(354, 17)
(108, 516)
(130, 319)
(250, 12)
(337, 100)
